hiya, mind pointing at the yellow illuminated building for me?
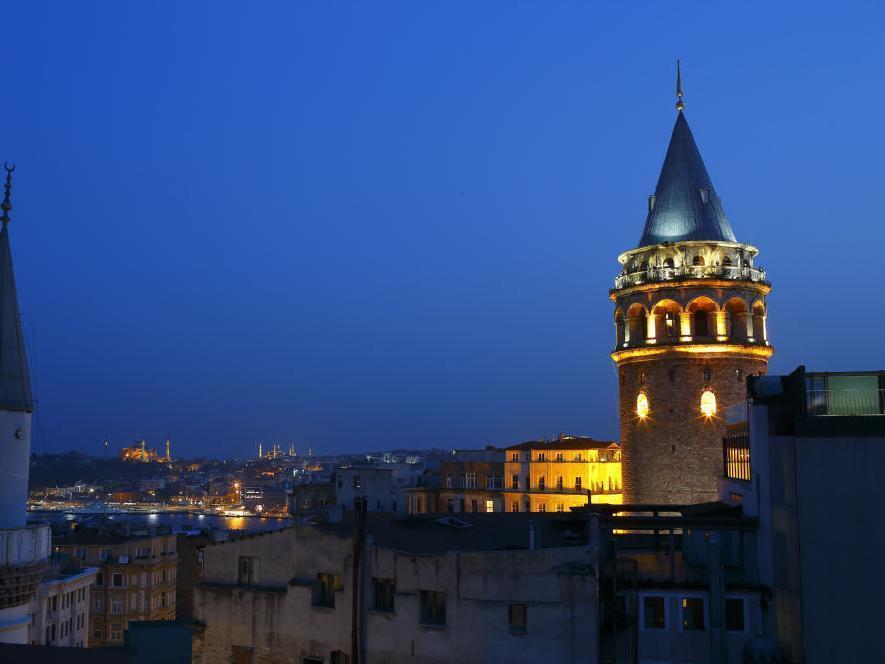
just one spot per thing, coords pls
(555, 476)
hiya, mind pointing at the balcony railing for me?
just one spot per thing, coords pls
(846, 402)
(657, 274)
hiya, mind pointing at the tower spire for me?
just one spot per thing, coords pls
(6, 205)
(679, 103)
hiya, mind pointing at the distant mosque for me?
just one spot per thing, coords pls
(690, 326)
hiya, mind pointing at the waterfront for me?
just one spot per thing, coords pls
(178, 520)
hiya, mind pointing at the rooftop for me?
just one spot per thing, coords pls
(564, 443)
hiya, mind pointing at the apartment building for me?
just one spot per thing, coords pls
(136, 578)
(60, 610)
(474, 587)
(556, 476)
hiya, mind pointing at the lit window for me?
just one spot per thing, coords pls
(642, 405)
(490, 506)
(708, 404)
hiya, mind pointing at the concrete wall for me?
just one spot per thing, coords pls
(277, 617)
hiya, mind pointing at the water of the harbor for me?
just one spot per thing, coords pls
(177, 520)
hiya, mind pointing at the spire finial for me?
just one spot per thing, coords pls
(679, 103)
(6, 205)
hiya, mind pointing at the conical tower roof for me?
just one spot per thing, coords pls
(15, 380)
(685, 205)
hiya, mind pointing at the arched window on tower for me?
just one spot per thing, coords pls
(708, 404)
(642, 406)
(668, 262)
(760, 334)
(698, 261)
(726, 262)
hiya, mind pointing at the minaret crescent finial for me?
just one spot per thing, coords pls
(679, 103)
(6, 205)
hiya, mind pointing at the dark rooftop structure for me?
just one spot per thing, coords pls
(564, 443)
(685, 205)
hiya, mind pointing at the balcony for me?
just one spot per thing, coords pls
(836, 403)
(686, 272)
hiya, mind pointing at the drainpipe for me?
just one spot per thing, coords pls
(359, 534)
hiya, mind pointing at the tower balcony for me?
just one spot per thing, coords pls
(658, 274)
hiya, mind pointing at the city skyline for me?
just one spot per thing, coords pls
(275, 233)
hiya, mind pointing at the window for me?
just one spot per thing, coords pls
(432, 608)
(474, 505)
(117, 580)
(706, 374)
(241, 654)
(693, 614)
(514, 482)
(133, 579)
(385, 589)
(559, 482)
(98, 604)
(542, 507)
(97, 632)
(654, 615)
(99, 579)
(450, 481)
(559, 456)
(708, 404)
(698, 261)
(642, 405)
(518, 618)
(490, 505)
(668, 262)
(450, 505)
(542, 481)
(116, 632)
(247, 570)
(726, 262)
(542, 456)
(117, 604)
(671, 375)
(470, 480)
(514, 456)
(326, 586)
(735, 620)
(104, 554)
(305, 503)
(560, 507)
(514, 506)
(162, 600)
(578, 483)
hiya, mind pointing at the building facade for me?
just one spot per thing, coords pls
(60, 610)
(802, 456)
(690, 327)
(472, 588)
(383, 486)
(136, 577)
(557, 476)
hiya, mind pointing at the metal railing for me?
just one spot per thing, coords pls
(656, 274)
(846, 402)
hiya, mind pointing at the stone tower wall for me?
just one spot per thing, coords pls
(674, 455)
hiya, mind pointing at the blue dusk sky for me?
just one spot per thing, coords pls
(364, 225)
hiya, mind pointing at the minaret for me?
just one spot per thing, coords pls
(168, 450)
(690, 321)
(23, 557)
(259, 450)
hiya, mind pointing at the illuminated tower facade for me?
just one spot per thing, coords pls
(690, 322)
(24, 547)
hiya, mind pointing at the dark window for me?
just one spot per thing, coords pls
(693, 614)
(324, 594)
(514, 482)
(247, 570)
(671, 374)
(385, 589)
(653, 615)
(450, 505)
(734, 614)
(726, 262)
(559, 483)
(117, 580)
(541, 482)
(433, 608)
(701, 327)
(698, 261)
(706, 374)
(242, 654)
(518, 618)
(668, 262)
(578, 483)
(474, 505)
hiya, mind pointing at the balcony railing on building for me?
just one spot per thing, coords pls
(663, 273)
(846, 402)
